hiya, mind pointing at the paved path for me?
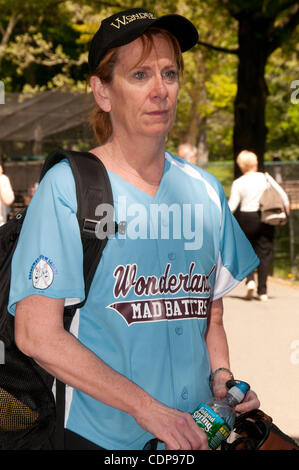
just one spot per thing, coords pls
(264, 349)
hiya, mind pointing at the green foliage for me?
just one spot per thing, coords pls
(282, 115)
(38, 52)
(224, 172)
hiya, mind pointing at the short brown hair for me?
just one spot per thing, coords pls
(99, 119)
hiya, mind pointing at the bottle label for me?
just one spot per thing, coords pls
(214, 426)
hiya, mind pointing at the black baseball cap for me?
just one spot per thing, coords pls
(126, 26)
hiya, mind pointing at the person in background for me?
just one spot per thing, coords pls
(7, 196)
(30, 193)
(188, 152)
(246, 192)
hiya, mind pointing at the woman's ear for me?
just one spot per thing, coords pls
(100, 93)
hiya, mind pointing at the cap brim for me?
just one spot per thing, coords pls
(181, 28)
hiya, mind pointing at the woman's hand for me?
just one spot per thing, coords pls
(250, 402)
(176, 429)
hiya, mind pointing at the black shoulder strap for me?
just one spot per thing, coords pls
(95, 205)
(95, 218)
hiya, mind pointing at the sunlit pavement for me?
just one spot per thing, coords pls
(264, 349)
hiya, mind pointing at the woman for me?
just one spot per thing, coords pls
(7, 196)
(141, 350)
(246, 192)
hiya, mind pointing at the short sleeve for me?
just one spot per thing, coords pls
(234, 199)
(48, 259)
(236, 257)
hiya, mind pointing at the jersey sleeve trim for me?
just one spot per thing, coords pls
(71, 299)
(225, 281)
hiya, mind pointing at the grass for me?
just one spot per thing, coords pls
(224, 171)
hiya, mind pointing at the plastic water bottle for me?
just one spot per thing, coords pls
(217, 416)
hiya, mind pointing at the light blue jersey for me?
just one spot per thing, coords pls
(147, 310)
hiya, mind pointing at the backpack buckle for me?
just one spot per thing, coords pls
(89, 225)
(101, 229)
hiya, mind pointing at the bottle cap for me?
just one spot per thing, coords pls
(239, 390)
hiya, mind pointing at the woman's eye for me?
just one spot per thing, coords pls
(140, 75)
(170, 75)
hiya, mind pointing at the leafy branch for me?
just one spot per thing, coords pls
(217, 48)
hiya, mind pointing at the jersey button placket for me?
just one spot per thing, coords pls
(185, 393)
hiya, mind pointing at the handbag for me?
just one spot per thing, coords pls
(255, 430)
(271, 205)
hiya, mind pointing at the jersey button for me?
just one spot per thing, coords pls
(179, 330)
(171, 256)
(184, 394)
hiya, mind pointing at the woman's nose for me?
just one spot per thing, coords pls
(159, 89)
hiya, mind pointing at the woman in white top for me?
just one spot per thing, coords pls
(245, 194)
(6, 195)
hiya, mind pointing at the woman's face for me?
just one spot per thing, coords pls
(142, 98)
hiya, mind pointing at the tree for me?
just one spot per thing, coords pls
(39, 54)
(203, 98)
(38, 51)
(25, 12)
(263, 26)
(222, 102)
(282, 111)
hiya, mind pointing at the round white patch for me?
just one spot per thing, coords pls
(42, 275)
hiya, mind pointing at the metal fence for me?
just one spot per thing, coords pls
(287, 175)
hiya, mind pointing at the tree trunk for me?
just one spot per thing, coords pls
(250, 129)
(197, 132)
(202, 144)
